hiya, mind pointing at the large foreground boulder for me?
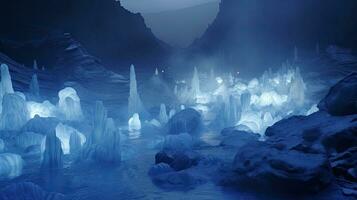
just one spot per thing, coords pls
(185, 121)
(342, 98)
(296, 155)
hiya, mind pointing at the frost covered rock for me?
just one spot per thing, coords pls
(178, 143)
(10, 165)
(27, 139)
(42, 125)
(185, 121)
(134, 123)
(292, 170)
(237, 138)
(159, 169)
(70, 104)
(342, 97)
(14, 113)
(296, 151)
(27, 191)
(53, 154)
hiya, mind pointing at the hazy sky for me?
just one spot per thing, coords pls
(149, 6)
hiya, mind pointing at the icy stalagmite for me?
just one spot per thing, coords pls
(14, 113)
(99, 122)
(135, 104)
(6, 84)
(53, 154)
(163, 118)
(34, 87)
(195, 84)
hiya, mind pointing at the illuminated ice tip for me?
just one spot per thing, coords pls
(195, 84)
(134, 102)
(219, 80)
(70, 104)
(34, 88)
(6, 84)
(134, 123)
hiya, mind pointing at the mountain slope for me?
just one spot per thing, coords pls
(103, 27)
(181, 27)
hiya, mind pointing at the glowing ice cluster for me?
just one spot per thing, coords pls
(249, 105)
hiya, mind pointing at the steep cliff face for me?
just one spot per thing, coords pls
(103, 27)
(259, 32)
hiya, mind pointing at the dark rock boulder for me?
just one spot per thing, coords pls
(185, 121)
(342, 98)
(292, 170)
(237, 138)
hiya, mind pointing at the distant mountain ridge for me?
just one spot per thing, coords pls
(106, 29)
(182, 26)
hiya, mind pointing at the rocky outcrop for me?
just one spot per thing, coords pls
(105, 28)
(342, 98)
(303, 153)
(186, 121)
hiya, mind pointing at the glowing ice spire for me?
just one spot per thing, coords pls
(35, 66)
(156, 72)
(135, 105)
(34, 86)
(163, 118)
(6, 84)
(195, 84)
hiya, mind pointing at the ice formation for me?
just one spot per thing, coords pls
(163, 118)
(34, 88)
(111, 143)
(134, 102)
(14, 113)
(64, 133)
(10, 165)
(44, 109)
(69, 104)
(27, 139)
(75, 143)
(6, 84)
(2, 146)
(35, 66)
(99, 122)
(52, 157)
(134, 123)
(195, 84)
(172, 113)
